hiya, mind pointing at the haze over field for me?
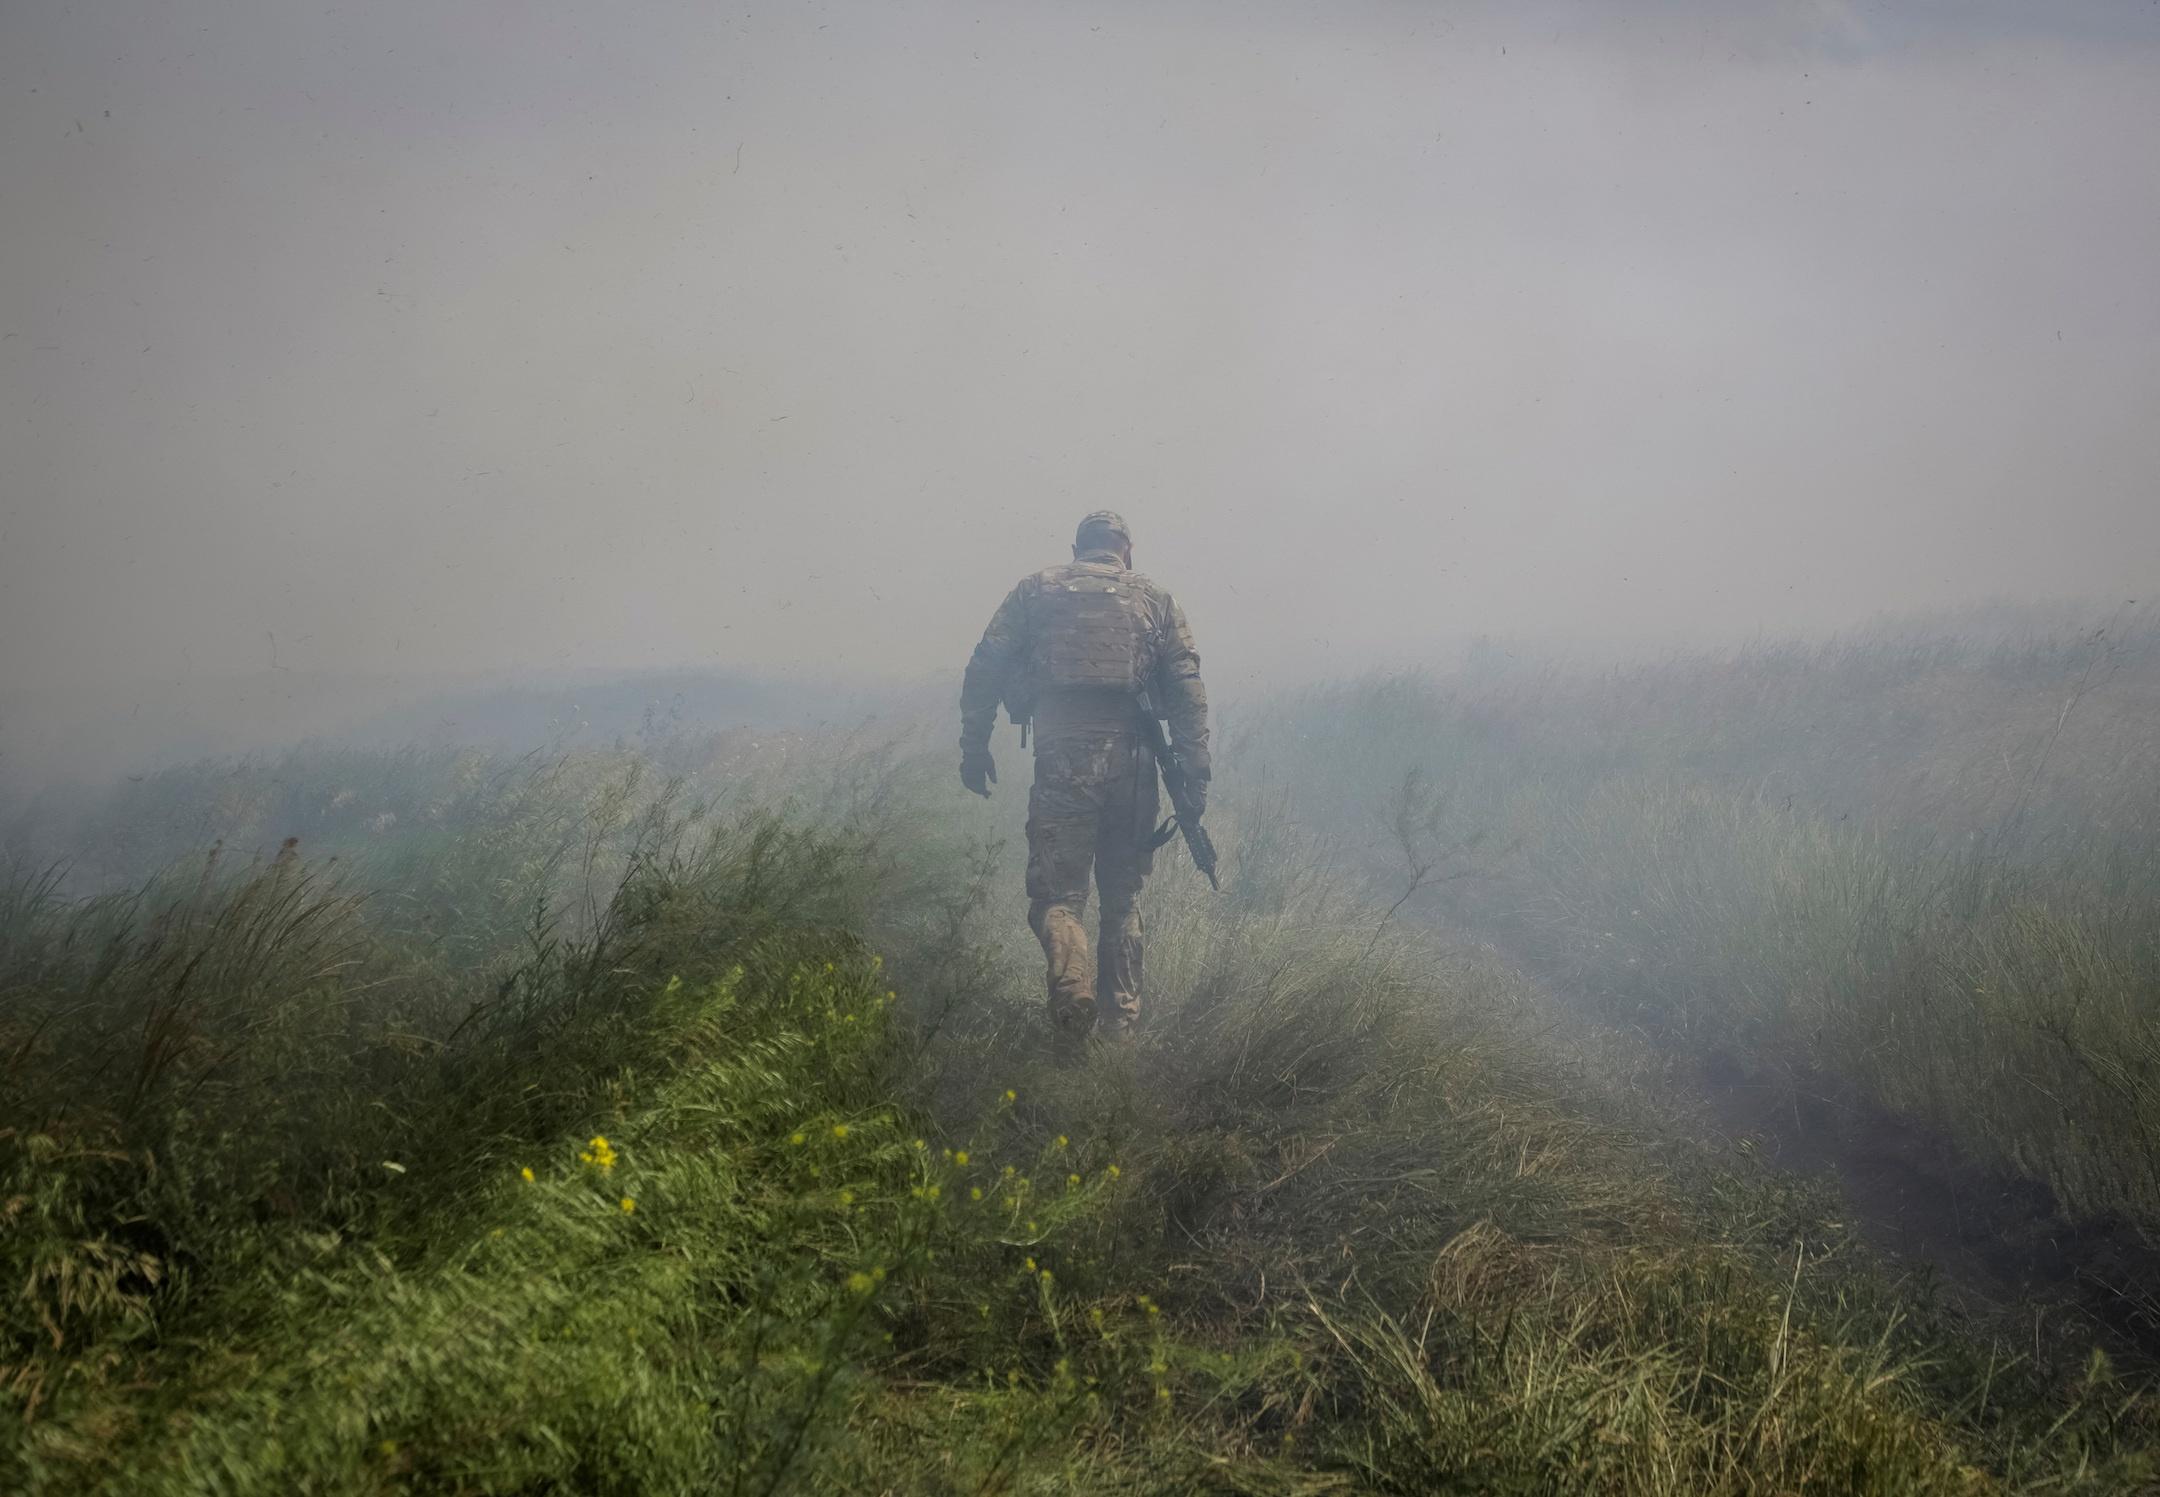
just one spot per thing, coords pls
(390, 340)
(503, 989)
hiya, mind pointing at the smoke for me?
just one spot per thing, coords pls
(400, 339)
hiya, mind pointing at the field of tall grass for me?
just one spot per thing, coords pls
(678, 1118)
(1916, 871)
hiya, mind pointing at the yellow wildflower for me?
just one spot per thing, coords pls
(796, 1139)
(1062, 1140)
(628, 1205)
(975, 1193)
(1071, 1181)
(839, 1130)
(526, 1174)
(961, 1157)
(1114, 1172)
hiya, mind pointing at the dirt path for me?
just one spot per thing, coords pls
(1988, 1234)
(1997, 1241)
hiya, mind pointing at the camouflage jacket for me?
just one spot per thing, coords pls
(1005, 665)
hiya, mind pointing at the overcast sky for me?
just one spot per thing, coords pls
(392, 337)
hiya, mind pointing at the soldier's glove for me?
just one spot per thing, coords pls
(1196, 792)
(978, 771)
(1195, 765)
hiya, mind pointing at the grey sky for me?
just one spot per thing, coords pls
(465, 336)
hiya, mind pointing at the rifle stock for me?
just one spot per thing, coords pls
(1184, 818)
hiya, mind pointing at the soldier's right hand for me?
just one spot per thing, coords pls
(978, 771)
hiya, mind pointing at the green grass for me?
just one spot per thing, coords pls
(1366, 1212)
(1918, 873)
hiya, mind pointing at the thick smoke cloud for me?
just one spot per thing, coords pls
(394, 339)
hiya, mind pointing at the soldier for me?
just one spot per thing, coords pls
(1083, 651)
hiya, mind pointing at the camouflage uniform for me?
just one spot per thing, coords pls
(1074, 647)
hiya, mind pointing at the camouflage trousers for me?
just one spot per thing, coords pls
(1092, 808)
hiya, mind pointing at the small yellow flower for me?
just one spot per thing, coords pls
(1063, 1141)
(961, 1157)
(839, 1130)
(975, 1193)
(1114, 1172)
(1031, 1265)
(388, 1447)
(628, 1205)
(1071, 1181)
(860, 1283)
(796, 1139)
(847, 1197)
(922, 1143)
(1011, 1095)
(526, 1174)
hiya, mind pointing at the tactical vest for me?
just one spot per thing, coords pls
(1092, 630)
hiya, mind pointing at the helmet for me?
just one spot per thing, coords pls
(1103, 522)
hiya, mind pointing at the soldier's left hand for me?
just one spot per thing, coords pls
(978, 771)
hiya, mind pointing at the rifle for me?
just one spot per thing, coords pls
(1185, 819)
